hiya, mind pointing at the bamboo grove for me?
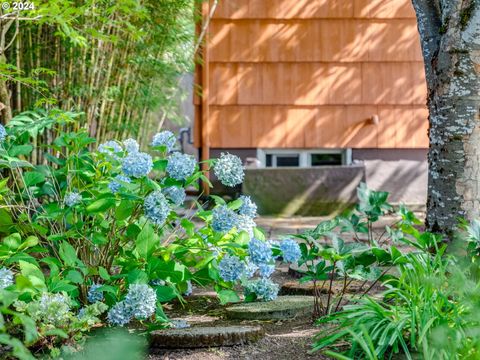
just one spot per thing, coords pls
(117, 62)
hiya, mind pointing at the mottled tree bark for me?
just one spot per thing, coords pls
(450, 36)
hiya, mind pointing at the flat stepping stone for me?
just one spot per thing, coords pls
(283, 307)
(296, 288)
(201, 337)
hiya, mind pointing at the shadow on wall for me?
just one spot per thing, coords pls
(303, 191)
(401, 172)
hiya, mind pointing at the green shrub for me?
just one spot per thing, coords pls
(108, 226)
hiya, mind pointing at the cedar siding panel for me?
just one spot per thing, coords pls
(314, 9)
(312, 73)
(326, 40)
(306, 127)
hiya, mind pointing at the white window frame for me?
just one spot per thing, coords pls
(305, 160)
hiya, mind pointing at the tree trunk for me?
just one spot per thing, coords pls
(450, 36)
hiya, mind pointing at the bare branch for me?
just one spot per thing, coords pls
(17, 26)
(205, 27)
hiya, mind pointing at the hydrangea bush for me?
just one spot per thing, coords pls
(100, 234)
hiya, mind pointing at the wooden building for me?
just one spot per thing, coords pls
(307, 83)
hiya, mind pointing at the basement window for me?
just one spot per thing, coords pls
(277, 158)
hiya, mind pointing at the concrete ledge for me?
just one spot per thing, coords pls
(303, 191)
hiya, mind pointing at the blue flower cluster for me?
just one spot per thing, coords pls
(231, 268)
(165, 138)
(250, 268)
(131, 146)
(175, 194)
(266, 270)
(263, 288)
(245, 223)
(54, 308)
(189, 290)
(116, 184)
(137, 164)
(248, 207)
(259, 252)
(3, 133)
(140, 303)
(156, 207)
(110, 147)
(290, 250)
(179, 324)
(6, 278)
(180, 166)
(229, 170)
(158, 282)
(94, 294)
(72, 198)
(119, 314)
(223, 219)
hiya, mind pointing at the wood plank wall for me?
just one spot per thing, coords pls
(312, 73)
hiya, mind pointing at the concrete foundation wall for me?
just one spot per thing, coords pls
(326, 190)
(401, 172)
(303, 191)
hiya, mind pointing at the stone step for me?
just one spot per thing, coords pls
(200, 337)
(296, 288)
(282, 308)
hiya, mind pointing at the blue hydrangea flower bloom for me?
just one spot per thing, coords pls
(245, 223)
(110, 148)
(6, 278)
(156, 208)
(266, 270)
(223, 219)
(189, 290)
(115, 185)
(248, 207)
(94, 294)
(158, 282)
(120, 314)
(73, 198)
(231, 268)
(81, 313)
(259, 251)
(131, 146)
(179, 324)
(54, 308)
(142, 301)
(229, 170)
(263, 288)
(290, 250)
(176, 194)
(3, 133)
(165, 138)
(180, 166)
(250, 268)
(137, 164)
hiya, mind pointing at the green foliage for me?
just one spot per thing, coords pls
(104, 239)
(430, 307)
(118, 61)
(329, 253)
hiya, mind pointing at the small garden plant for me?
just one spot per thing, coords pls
(428, 305)
(100, 235)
